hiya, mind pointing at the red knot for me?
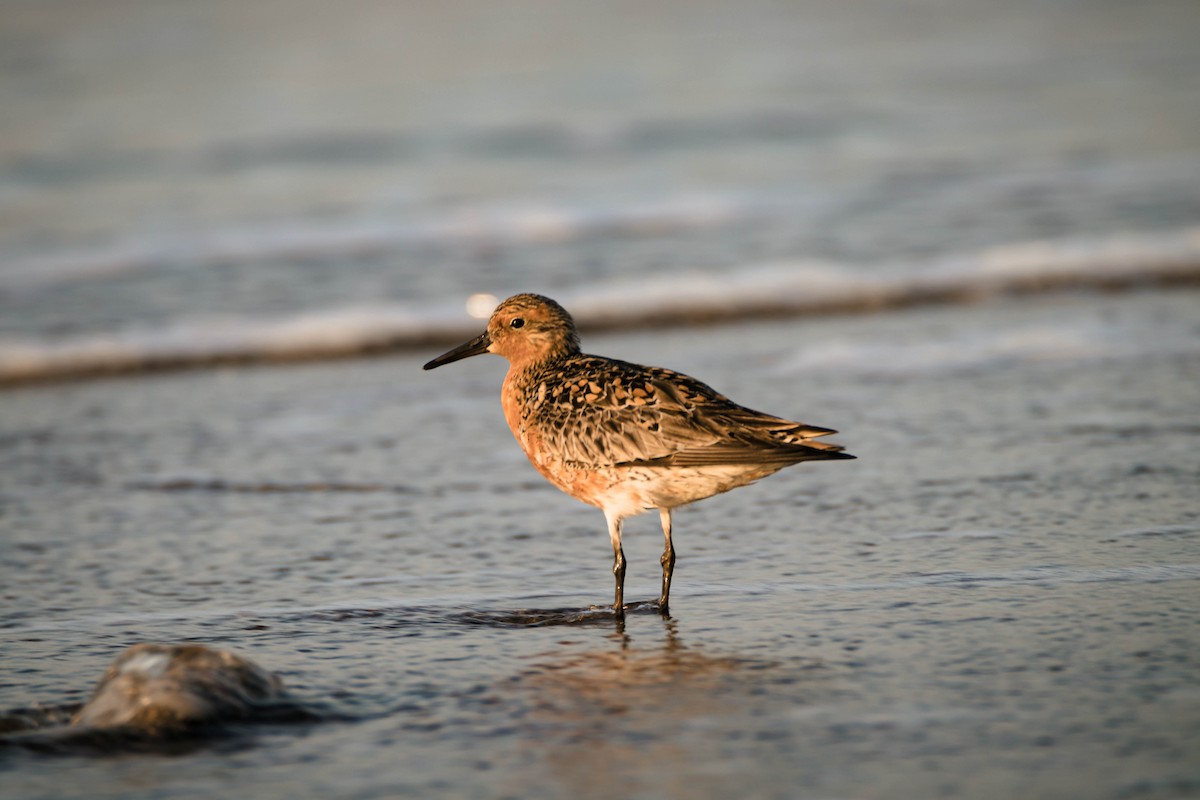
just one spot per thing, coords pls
(625, 437)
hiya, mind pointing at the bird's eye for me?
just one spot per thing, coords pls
(517, 323)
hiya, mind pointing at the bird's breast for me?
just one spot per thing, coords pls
(524, 402)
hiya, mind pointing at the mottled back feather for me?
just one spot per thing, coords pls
(601, 412)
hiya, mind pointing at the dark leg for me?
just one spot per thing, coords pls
(667, 561)
(614, 533)
(619, 574)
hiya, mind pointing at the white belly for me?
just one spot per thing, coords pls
(636, 489)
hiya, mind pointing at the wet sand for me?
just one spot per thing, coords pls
(997, 599)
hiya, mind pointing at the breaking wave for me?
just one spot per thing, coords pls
(777, 289)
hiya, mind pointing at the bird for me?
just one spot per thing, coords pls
(624, 437)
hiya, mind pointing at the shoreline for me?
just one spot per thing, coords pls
(778, 291)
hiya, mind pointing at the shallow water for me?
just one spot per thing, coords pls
(997, 599)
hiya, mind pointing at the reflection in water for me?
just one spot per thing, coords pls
(612, 680)
(155, 694)
(632, 718)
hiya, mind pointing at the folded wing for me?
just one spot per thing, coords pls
(626, 415)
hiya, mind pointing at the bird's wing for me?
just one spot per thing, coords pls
(601, 412)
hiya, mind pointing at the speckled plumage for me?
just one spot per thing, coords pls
(624, 437)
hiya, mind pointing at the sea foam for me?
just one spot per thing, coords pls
(776, 289)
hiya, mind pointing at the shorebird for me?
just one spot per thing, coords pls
(625, 437)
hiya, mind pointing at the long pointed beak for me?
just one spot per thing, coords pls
(476, 346)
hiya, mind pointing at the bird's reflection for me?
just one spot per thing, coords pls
(624, 674)
(620, 719)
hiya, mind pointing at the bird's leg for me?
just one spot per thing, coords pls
(667, 561)
(614, 533)
(619, 574)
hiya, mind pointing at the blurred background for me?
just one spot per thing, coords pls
(181, 174)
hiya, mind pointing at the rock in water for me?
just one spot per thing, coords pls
(156, 689)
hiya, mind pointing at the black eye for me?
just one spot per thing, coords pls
(518, 323)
